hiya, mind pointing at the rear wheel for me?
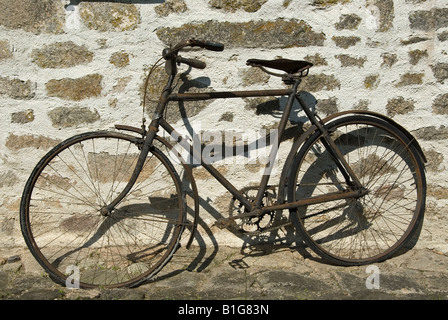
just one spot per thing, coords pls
(373, 227)
(72, 238)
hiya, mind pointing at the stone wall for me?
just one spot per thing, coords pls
(71, 66)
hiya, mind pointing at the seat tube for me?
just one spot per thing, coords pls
(274, 149)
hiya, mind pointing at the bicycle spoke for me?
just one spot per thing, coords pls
(369, 227)
(64, 217)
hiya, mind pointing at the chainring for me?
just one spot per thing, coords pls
(254, 224)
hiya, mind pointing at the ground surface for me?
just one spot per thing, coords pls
(257, 274)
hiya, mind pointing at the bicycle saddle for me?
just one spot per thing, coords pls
(287, 65)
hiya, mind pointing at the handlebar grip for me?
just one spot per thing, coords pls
(194, 63)
(213, 46)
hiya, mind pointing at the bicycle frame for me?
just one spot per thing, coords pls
(255, 208)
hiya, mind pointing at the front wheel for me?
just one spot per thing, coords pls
(375, 226)
(69, 234)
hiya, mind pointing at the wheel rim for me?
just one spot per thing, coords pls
(370, 228)
(64, 224)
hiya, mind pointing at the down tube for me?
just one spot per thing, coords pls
(198, 157)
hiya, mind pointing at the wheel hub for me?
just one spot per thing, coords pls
(105, 212)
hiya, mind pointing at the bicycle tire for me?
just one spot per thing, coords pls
(61, 218)
(376, 226)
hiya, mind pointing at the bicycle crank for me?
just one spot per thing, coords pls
(250, 222)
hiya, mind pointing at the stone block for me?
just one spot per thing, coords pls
(61, 55)
(233, 6)
(16, 88)
(226, 116)
(109, 16)
(440, 104)
(345, 42)
(408, 79)
(23, 116)
(431, 133)
(372, 81)
(443, 36)
(43, 16)
(8, 178)
(386, 13)
(17, 142)
(119, 59)
(70, 117)
(399, 106)
(435, 160)
(121, 84)
(433, 19)
(414, 39)
(440, 71)
(5, 50)
(389, 59)
(263, 105)
(437, 192)
(348, 61)
(253, 34)
(327, 107)
(316, 60)
(171, 6)
(328, 3)
(319, 82)
(416, 55)
(348, 22)
(253, 76)
(361, 105)
(75, 89)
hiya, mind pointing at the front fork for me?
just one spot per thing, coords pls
(147, 144)
(107, 210)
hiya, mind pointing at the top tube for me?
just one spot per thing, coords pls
(229, 94)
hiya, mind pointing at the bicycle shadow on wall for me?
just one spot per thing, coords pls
(261, 235)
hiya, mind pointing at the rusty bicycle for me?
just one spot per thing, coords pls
(112, 206)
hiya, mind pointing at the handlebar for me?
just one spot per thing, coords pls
(171, 54)
(198, 64)
(212, 46)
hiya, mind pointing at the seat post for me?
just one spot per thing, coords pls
(292, 79)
